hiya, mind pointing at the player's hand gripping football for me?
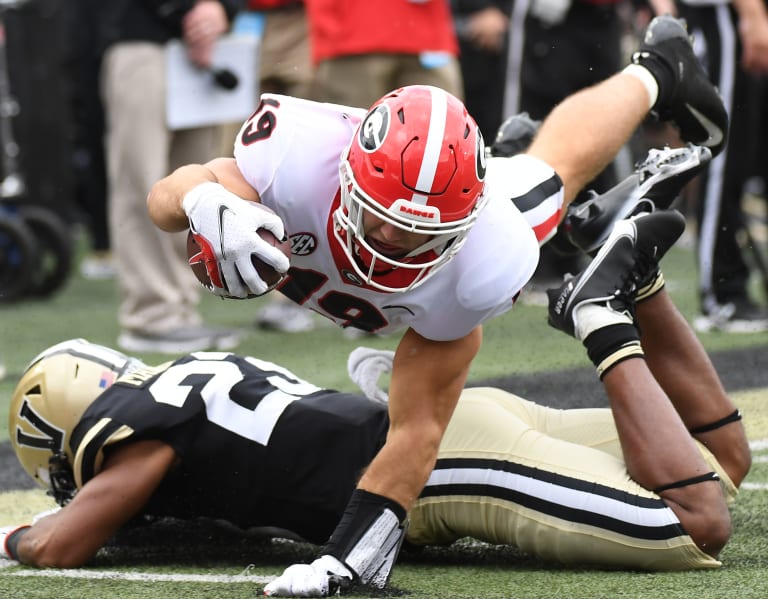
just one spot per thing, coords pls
(229, 224)
(323, 577)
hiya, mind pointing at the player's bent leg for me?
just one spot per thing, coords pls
(553, 499)
(597, 307)
(680, 364)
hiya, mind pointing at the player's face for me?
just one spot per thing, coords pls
(389, 240)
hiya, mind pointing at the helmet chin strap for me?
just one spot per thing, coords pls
(63, 487)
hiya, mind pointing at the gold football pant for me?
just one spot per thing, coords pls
(552, 483)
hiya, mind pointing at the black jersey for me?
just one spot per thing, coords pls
(257, 446)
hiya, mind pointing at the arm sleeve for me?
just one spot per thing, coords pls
(533, 187)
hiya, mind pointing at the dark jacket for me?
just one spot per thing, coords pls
(147, 20)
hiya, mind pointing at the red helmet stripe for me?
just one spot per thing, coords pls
(434, 143)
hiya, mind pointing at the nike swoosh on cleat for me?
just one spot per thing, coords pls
(714, 132)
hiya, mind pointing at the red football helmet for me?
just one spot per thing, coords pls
(417, 161)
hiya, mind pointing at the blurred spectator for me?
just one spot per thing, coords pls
(733, 44)
(158, 293)
(285, 66)
(482, 27)
(89, 163)
(363, 49)
(557, 48)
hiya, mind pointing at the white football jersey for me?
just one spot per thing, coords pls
(289, 151)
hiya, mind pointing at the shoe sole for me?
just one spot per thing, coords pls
(632, 196)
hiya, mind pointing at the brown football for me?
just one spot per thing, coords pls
(203, 263)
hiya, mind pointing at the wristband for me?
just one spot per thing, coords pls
(367, 540)
(12, 541)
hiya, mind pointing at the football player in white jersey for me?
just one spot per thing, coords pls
(244, 440)
(398, 222)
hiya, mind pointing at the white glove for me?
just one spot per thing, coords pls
(550, 12)
(365, 366)
(229, 224)
(5, 532)
(323, 577)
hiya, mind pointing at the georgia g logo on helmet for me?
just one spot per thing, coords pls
(374, 129)
(480, 156)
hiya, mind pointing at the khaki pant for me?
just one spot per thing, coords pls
(285, 66)
(362, 79)
(157, 290)
(546, 481)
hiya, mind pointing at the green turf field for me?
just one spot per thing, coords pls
(174, 561)
(516, 343)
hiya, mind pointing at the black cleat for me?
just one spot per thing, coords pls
(656, 182)
(627, 260)
(686, 95)
(514, 135)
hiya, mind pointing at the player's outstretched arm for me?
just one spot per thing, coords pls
(164, 201)
(427, 378)
(105, 503)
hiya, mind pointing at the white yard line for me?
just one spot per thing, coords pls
(754, 486)
(136, 576)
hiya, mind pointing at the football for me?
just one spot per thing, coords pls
(203, 263)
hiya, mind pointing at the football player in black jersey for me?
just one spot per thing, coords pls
(111, 438)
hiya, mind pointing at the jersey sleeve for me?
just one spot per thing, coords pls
(127, 411)
(533, 187)
(283, 148)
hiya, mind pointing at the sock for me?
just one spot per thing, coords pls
(647, 78)
(651, 288)
(591, 317)
(610, 345)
